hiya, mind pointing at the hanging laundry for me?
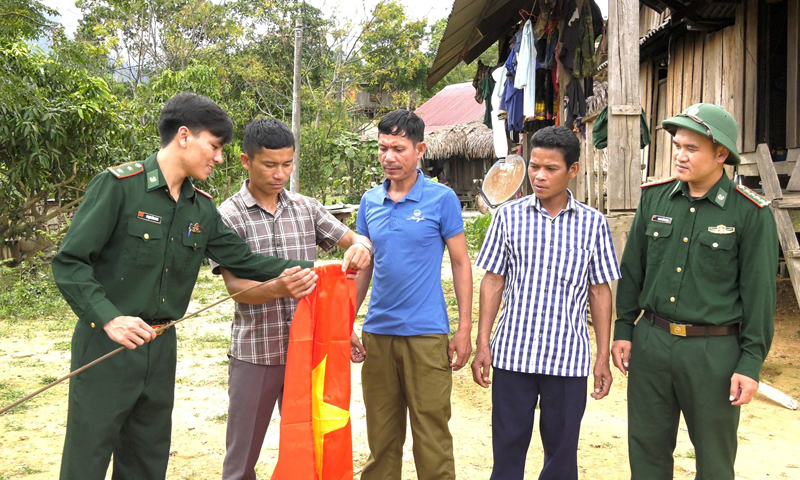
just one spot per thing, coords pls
(600, 130)
(570, 37)
(584, 65)
(498, 124)
(487, 85)
(525, 79)
(575, 103)
(512, 97)
(480, 74)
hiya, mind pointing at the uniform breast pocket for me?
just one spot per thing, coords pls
(193, 251)
(145, 247)
(657, 237)
(716, 255)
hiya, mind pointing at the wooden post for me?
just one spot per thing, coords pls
(750, 75)
(580, 180)
(526, 155)
(624, 169)
(589, 167)
(294, 180)
(783, 221)
(793, 80)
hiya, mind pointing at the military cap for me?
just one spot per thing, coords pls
(709, 120)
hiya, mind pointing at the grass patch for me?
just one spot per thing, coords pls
(214, 339)
(47, 379)
(688, 453)
(64, 345)
(28, 470)
(9, 394)
(14, 427)
(221, 418)
(28, 292)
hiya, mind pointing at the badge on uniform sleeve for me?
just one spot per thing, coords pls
(149, 217)
(722, 230)
(662, 219)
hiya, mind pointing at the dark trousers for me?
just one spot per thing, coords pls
(562, 401)
(253, 391)
(669, 375)
(122, 405)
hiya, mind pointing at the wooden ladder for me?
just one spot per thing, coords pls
(782, 202)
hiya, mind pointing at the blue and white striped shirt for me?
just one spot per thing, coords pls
(548, 264)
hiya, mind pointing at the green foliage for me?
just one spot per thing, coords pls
(345, 164)
(392, 50)
(29, 292)
(59, 126)
(475, 230)
(93, 102)
(25, 19)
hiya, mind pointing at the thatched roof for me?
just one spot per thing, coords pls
(472, 141)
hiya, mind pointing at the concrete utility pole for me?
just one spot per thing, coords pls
(294, 184)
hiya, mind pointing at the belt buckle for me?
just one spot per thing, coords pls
(677, 329)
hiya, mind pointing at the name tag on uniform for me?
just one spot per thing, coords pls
(149, 217)
(722, 230)
(661, 219)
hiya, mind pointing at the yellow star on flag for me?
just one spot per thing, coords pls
(325, 417)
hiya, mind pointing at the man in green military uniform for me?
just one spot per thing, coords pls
(128, 263)
(700, 262)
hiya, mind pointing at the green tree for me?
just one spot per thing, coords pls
(59, 126)
(26, 19)
(392, 51)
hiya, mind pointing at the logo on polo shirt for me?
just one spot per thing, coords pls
(417, 216)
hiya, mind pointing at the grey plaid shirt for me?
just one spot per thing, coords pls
(260, 333)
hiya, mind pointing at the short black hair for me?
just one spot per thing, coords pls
(195, 112)
(404, 123)
(266, 133)
(561, 139)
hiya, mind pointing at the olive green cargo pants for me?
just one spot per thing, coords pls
(122, 405)
(407, 374)
(668, 375)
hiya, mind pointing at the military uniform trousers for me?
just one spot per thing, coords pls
(122, 405)
(407, 374)
(668, 375)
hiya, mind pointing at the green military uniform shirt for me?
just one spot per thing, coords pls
(705, 261)
(133, 250)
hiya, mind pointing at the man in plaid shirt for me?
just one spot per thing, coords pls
(273, 221)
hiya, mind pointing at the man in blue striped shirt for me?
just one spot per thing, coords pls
(544, 255)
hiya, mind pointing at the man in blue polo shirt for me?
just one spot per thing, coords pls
(406, 353)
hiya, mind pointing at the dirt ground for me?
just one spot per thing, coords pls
(34, 353)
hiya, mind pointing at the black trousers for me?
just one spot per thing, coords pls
(562, 401)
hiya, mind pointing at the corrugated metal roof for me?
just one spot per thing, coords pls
(454, 105)
(645, 39)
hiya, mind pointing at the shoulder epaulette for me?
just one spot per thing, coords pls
(658, 182)
(753, 196)
(205, 194)
(127, 169)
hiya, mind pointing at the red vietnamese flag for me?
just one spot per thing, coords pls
(316, 441)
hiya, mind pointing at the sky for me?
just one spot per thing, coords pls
(355, 10)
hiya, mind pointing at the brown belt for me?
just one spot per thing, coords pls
(682, 330)
(155, 323)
